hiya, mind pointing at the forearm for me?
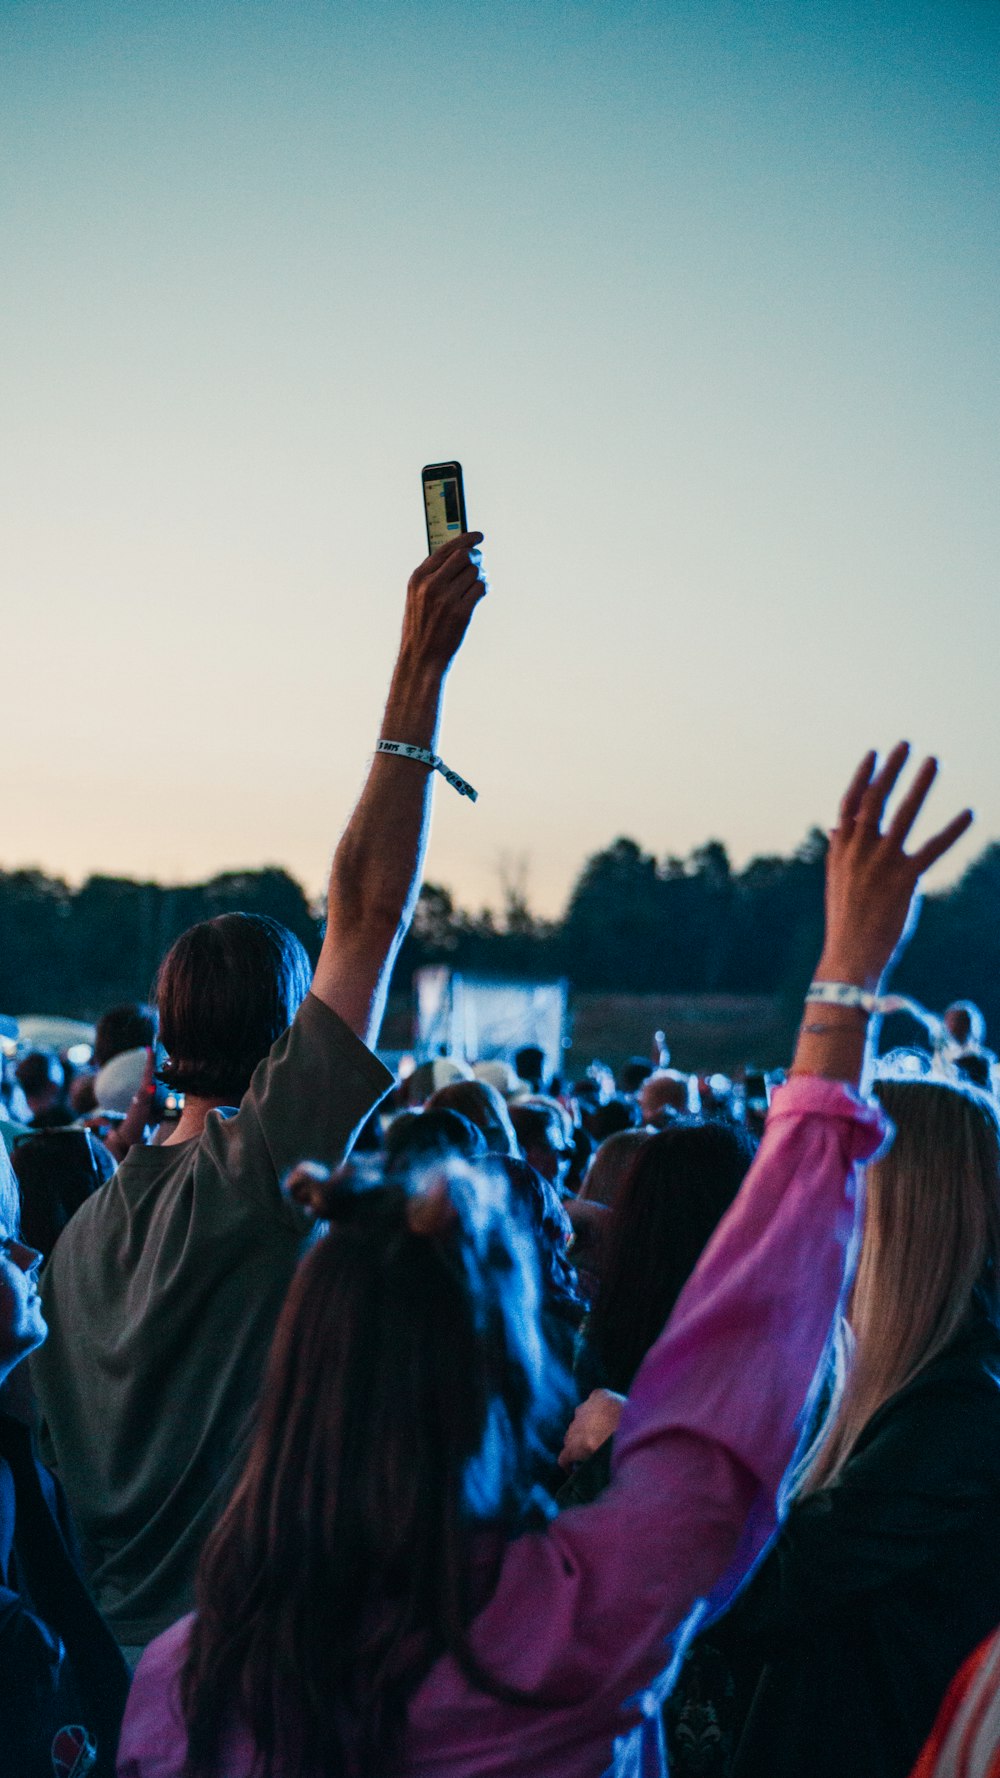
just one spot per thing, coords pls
(376, 867)
(710, 1427)
(375, 876)
(833, 1040)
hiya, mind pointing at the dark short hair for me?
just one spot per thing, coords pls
(131, 1026)
(619, 1113)
(37, 1071)
(56, 1171)
(529, 1063)
(632, 1073)
(534, 1124)
(417, 1136)
(225, 992)
(484, 1106)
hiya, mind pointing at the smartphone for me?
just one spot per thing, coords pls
(444, 502)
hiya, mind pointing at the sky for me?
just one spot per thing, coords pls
(703, 296)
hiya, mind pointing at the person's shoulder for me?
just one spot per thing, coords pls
(319, 1023)
(948, 1416)
(966, 1372)
(75, 1238)
(166, 1651)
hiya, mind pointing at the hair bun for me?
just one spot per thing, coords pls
(432, 1210)
(308, 1185)
(328, 1196)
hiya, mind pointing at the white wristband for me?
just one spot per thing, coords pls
(425, 757)
(848, 994)
(843, 994)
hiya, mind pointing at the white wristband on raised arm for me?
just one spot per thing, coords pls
(843, 994)
(849, 994)
(425, 757)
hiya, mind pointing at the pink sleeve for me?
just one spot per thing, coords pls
(709, 1430)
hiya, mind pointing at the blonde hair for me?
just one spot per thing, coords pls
(931, 1244)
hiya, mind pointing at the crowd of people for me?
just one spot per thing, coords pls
(484, 1422)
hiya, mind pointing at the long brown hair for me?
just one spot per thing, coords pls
(930, 1254)
(407, 1383)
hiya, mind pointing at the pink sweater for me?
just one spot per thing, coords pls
(585, 1610)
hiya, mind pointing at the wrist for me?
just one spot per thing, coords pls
(838, 965)
(413, 707)
(418, 673)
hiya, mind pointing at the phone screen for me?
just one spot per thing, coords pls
(444, 504)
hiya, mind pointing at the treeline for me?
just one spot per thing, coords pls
(78, 951)
(694, 925)
(633, 924)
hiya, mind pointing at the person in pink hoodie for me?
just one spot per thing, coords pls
(376, 1602)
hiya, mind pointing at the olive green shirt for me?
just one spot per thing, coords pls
(161, 1297)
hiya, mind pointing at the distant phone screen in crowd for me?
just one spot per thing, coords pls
(444, 503)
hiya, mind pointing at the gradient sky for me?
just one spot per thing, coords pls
(704, 296)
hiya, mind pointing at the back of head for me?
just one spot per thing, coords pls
(666, 1090)
(545, 1135)
(611, 1164)
(225, 993)
(399, 1413)
(131, 1026)
(529, 1065)
(428, 1077)
(679, 1186)
(39, 1075)
(546, 1217)
(484, 1106)
(929, 1266)
(964, 1023)
(632, 1073)
(420, 1136)
(620, 1112)
(976, 1066)
(117, 1083)
(495, 1072)
(56, 1172)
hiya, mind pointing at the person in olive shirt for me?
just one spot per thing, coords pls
(162, 1292)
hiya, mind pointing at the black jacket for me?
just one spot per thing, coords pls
(838, 1652)
(59, 1663)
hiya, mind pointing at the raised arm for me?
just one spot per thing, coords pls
(871, 906)
(718, 1404)
(376, 868)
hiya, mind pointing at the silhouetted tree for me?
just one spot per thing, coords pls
(631, 925)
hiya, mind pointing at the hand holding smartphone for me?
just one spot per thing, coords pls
(444, 503)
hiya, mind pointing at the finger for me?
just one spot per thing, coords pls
(912, 803)
(850, 802)
(470, 580)
(305, 1185)
(881, 787)
(449, 572)
(456, 546)
(942, 842)
(456, 592)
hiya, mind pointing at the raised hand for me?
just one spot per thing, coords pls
(441, 596)
(594, 1422)
(871, 882)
